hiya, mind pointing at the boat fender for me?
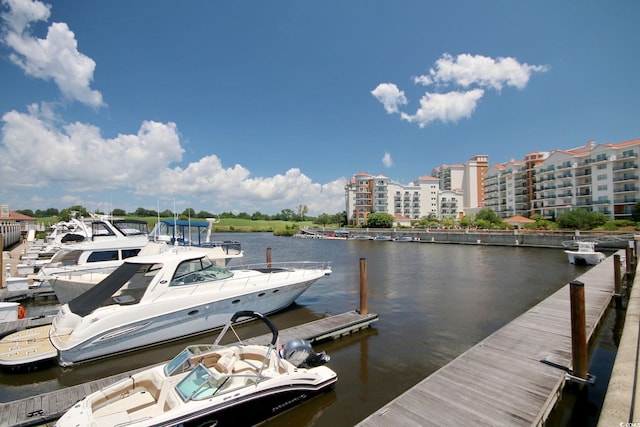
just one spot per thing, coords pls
(21, 312)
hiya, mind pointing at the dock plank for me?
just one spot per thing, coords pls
(55, 403)
(502, 380)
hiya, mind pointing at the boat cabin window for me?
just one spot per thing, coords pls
(97, 256)
(128, 253)
(101, 229)
(198, 270)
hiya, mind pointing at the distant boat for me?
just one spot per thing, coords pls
(383, 237)
(362, 237)
(586, 254)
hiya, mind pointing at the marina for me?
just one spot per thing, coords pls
(555, 354)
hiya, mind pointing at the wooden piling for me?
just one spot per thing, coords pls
(268, 257)
(578, 330)
(364, 310)
(627, 252)
(617, 281)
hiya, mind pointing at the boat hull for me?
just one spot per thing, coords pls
(256, 408)
(113, 335)
(584, 258)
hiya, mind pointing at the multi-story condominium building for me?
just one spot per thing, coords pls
(509, 187)
(451, 204)
(365, 193)
(473, 182)
(466, 179)
(599, 178)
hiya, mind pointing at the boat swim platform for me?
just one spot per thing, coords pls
(47, 407)
(513, 377)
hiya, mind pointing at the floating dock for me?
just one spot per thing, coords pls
(43, 408)
(513, 377)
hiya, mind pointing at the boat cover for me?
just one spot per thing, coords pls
(102, 291)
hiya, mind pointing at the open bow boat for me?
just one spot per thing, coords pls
(211, 385)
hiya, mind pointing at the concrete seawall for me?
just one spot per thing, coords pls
(534, 238)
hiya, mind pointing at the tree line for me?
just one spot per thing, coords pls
(300, 214)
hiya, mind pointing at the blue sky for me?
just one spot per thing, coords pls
(263, 106)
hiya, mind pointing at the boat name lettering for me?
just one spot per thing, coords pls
(289, 402)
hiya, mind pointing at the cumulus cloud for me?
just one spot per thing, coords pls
(76, 152)
(390, 96)
(76, 158)
(445, 107)
(473, 73)
(387, 161)
(466, 70)
(55, 57)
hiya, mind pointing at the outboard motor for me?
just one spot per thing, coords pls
(300, 354)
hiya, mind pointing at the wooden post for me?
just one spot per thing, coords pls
(617, 281)
(363, 286)
(628, 255)
(268, 257)
(578, 330)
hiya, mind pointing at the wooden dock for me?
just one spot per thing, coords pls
(44, 408)
(503, 380)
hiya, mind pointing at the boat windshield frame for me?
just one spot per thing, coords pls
(201, 383)
(194, 271)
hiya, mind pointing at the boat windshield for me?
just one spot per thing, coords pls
(201, 383)
(182, 362)
(198, 270)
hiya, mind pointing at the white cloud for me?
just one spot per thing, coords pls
(75, 158)
(77, 154)
(387, 161)
(390, 96)
(463, 71)
(55, 57)
(445, 107)
(466, 70)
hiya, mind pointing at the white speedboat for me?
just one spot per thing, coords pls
(586, 254)
(211, 385)
(152, 299)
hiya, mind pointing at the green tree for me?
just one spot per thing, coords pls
(189, 213)
(27, 212)
(204, 214)
(489, 216)
(379, 220)
(323, 219)
(118, 212)
(303, 210)
(581, 219)
(635, 214)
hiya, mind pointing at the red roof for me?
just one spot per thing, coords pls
(16, 216)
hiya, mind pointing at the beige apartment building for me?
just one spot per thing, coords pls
(596, 177)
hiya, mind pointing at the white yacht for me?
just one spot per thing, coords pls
(586, 254)
(152, 299)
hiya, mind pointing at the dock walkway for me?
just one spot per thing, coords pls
(46, 407)
(502, 380)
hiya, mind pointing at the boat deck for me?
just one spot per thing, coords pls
(503, 380)
(43, 408)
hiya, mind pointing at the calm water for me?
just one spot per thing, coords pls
(434, 302)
